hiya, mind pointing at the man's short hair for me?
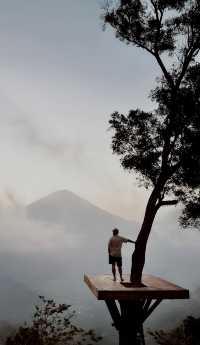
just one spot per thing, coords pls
(115, 231)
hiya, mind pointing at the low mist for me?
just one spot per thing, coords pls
(48, 246)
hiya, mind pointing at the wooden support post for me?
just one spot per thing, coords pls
(130, 318)
(151, 308)
(131, 330)
(114, 312)
(147, 304)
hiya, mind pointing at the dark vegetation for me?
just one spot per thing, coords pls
(162, 146)
(51, 325)
(187, 333)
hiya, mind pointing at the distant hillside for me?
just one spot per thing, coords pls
(66, 208)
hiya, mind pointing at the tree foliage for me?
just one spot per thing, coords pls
(187, 333)
(165, 142)
(51, 325)
(162, 146)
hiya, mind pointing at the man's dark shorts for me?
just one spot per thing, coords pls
(114, 259)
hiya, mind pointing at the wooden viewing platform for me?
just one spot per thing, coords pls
(135, 304)
(103, 287)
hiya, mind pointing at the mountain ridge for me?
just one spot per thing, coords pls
(73, 196)
(66, 208)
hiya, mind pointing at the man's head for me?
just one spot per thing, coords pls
(115, 232)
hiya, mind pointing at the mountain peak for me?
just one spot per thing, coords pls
(64, 199)
(64, 207)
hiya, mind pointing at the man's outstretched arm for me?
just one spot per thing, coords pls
(131, 241)
(127, 240)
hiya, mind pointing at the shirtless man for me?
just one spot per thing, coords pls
(114, 251)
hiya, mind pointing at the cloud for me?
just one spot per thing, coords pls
(29, 134)
(21, 236)
(48, 138)
(58, 86)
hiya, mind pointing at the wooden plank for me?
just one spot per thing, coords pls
(103, 287)
(91, 285)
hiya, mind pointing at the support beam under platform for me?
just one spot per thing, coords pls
(130, 318)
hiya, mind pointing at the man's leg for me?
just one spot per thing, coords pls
(114, 272)
(120, 272)
(119, 265)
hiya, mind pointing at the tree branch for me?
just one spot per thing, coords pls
(167, 75)
(168, 202)
(190, 53)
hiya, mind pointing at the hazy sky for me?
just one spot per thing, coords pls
(61, 78)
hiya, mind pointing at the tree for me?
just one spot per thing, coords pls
(186, 333)
(162, 146)
(51, 325)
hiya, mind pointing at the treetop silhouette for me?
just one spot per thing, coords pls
(162, 146)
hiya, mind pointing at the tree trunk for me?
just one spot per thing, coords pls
(131, 322)
(138, 257)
